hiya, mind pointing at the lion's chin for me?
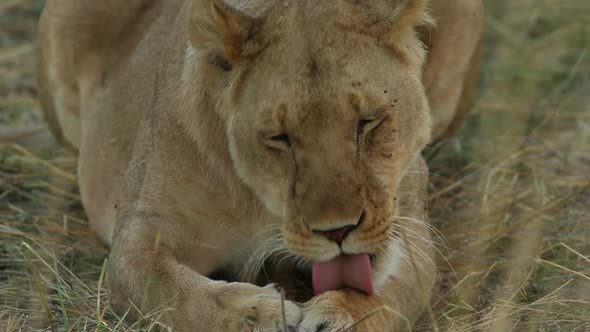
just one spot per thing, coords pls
(388, 264)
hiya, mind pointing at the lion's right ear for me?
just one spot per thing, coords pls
(219, 32)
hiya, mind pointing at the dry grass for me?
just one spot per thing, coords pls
(511, 192)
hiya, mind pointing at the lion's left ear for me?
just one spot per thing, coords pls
(383, 16)
(219, 32)
(412, 12)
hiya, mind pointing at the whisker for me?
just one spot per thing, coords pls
(427, 173)
(421, 254)
(254, 264)
(420, 237)
(433, 247)
(438, 234)
(268, 228)
(415, 249)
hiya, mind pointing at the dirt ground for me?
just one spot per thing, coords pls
(510, 193)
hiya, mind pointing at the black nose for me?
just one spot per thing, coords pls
(339, 234)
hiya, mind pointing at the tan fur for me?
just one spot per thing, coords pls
(179, 111)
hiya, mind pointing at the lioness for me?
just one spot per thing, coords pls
(227, 146)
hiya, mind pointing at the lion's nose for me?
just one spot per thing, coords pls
(339, 234)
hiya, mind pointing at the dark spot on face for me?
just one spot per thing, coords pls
(313, 68)
(395, 101)
(356, 84)
(385, 91)
(222, 63)
(395, 198)
(321, 327)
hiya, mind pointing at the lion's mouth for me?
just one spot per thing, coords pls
(352, 271)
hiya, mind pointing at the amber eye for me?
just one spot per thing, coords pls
(279, 141)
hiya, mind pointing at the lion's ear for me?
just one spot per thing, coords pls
(218, 31)
(413, 13)
(382, 16)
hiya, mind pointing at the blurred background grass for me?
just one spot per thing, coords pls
(510, 193)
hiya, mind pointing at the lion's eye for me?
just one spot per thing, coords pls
(365, 126)
(280, 141)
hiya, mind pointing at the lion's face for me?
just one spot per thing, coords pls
(322, 121)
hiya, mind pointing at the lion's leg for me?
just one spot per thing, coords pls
(99, 179)
(57, 87)
(145, 273)
(66, 80)
(73, 124)
(405, 294)
(452, 70)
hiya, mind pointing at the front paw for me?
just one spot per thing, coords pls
(345, 310)
(251, 308)
(326, 313)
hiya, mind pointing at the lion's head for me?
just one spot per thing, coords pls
(324, 108)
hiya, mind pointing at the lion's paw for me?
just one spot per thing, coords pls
(263, 312)
(321, 316)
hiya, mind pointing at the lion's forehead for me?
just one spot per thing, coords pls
(345, 82)
(307, 85)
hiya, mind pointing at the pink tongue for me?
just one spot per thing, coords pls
(343, 271)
